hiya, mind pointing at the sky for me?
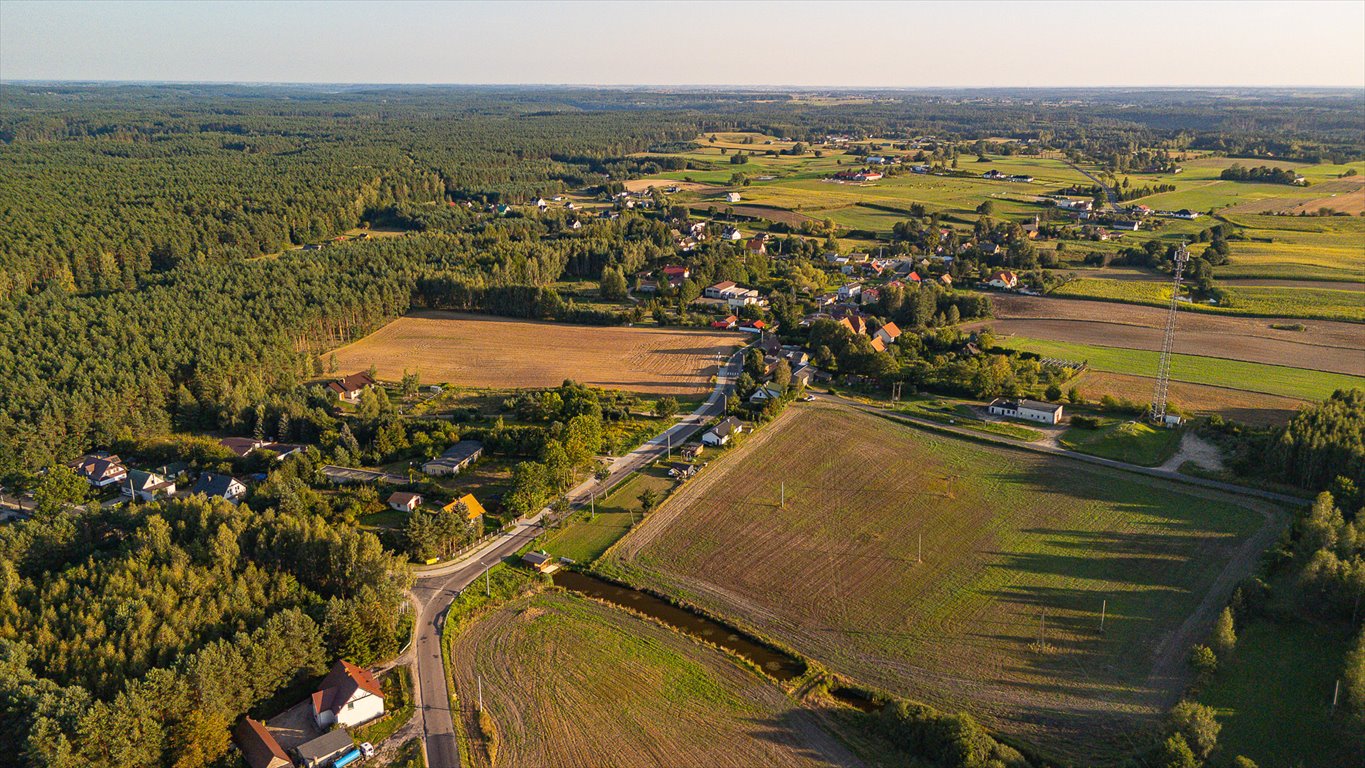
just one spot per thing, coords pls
(817, 44)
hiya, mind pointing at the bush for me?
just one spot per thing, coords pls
(1085, 422)
(1204, 661)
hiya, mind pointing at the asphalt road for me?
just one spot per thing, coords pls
(435, 588)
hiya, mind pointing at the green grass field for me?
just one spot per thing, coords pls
(569, 681)
(1011, 540)
(1273, 695)
(1252, 377)
(1129, 441)
(584, 540)
(1254, 301)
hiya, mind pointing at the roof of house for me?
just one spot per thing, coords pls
(471, 504)
(325, 746)
(461, 451)
(258, 746)
(341, 685)
(144, 481)
(355, 381)
(240, 445)
(1004, 274)
(99, 466)
(891, 329)
(726, 426)
(403, 498)
(212, 484)
(536, 558)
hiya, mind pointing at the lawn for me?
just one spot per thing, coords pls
(1299, 383)
(1258, 301)
(1130, 441)
(1273, 696)
(1011, 540)
(569, 681)
(588, 536)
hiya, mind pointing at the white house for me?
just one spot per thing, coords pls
(732, 197)
(765, 393)
(349, 696)
(224, 486)
(1027, 410)
(720, 434)
(147, 485)
(101, 469)
(1003, 279)
(404, 502)
(455, 458)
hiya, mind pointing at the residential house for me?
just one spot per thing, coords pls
(675, 275)
(259, 748)
(541, 562)
(1003, 279)
(725, 323)
(765, 393)
(732, 197)
(681, 470)
(719, 290)
(402, 501)
(804, 375)
(1019, 178)
(455, 458)
(348, 388)
(946, 279)
(721, 433)
(856, 323)
(348, 696)
(1185, 213)
(850, 291)
(1027, 410)
(731, 234)
(993, 175)
(325, 749)
(758, 243)
(887, 333)
(473, 509)
(691, 451)
(795, 355)
(147, 485)
(101, 469)
(222, 486)
(988, 248)
(752, 326)
(244, 446)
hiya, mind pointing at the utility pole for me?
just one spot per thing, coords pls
(1042, 630)
(480, 693)
(1336, 693)
(1104, 606)
(487, 585)
(919, 558)
(784, 494)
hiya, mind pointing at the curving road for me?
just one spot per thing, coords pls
(436, 587)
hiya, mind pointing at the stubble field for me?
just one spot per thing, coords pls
(569, 681)
(1014, 546)
(483, 351)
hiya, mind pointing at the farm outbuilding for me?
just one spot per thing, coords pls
(1027, 410)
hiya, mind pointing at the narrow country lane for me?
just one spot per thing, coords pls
(435, 588)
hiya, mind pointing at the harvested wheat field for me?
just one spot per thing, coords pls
(1323, 345)
(642, 185)
(572, 682)
(1016, 546)
(483, 351)
(1236, 404)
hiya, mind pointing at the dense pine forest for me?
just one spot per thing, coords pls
(151, 285)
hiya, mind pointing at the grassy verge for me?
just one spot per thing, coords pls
(409, 756)
(588, 536)
(1129, 441)
(1273, 697)
(1300, 383)
(398, 703)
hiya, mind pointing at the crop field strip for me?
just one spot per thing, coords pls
(1006, 536)
(1237, 404)
(483, 351)
(1322, 346)
(570, 681)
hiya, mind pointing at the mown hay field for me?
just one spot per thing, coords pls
(484, 351)
(1016, 546)
(1199, 399)
(1322, 345)
(572, 682)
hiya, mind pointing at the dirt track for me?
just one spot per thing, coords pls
(1325, 345)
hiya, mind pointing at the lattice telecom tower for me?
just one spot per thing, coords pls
(1163, 375)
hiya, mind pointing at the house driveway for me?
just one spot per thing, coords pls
(294, 726)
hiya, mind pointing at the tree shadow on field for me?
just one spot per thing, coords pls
(792, 730)
(1165, 504)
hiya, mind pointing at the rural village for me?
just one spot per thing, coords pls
(777, 440)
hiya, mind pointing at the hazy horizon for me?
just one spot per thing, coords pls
(803, 45)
